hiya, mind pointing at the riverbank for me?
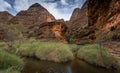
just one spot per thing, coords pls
(75, 66)
(10, 63)
(98, 55)
(93, 54)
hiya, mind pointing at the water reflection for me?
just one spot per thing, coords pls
(34, 66)
(77, 66)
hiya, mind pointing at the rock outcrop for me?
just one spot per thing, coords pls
(30, 18)
(2, 35)
(97, 19)
(41, 24)
(50, 31)
(104, 16)
(5, 17)
(36, 14)
(78, 23)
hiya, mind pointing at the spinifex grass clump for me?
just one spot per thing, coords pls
(73, 47)
(3, 45)
(51, 51)
(8, 60)
(57, 52)
(96, 54)
(10, 70)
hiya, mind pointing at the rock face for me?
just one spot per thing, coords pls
(5, 17)
(96, 19)
(51, 31)
(40, 24)
(79, 15)
(78, 23)
(104, 16)
(36, 14)
(2, 35)
(32, 18)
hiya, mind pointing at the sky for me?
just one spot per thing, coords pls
(58, 8)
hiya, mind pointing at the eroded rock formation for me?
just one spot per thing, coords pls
(5, 17)
(36, 14)
(78, 23)
(104, 16)
(51, 31)
(96, 19)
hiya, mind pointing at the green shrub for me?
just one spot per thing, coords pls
(10, 70)
(95, 54)
(73, 47)
(52, 51)
(9, 60)
(56, 52)
(27, 49)
(71, 40)
(3, 45)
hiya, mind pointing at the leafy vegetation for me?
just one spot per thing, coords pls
(8, 60)
(73, 47)
(95, 54)
(3, 45)
(10, 70)
(51, 51)
(57, 52)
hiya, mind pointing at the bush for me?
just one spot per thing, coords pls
(8, 60)
(27, 49)
(51, 51)
(10, 70)
(3, 45)
(73, 47)
(56, 52)
(95, 54)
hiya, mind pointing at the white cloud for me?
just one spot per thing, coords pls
(4, 5)
(51, 7)
(64, 2)
(21, 5)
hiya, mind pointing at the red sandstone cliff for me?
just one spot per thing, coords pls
(36, 14)
(97, 19)
(5, 17)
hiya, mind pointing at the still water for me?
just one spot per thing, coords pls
(76, 66)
